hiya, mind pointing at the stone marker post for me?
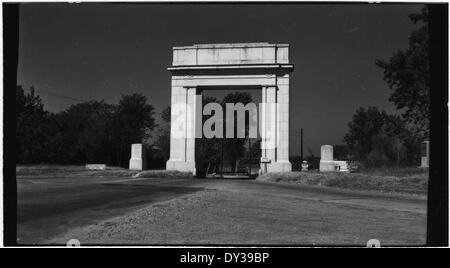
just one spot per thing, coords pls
(137, 160)
(326, 159)
(425, 154)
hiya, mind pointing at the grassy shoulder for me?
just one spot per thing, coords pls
(393, 180)
(81, 171)
(64, 170)
(163, 174)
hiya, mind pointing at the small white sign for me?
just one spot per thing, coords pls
(96, 166)
(265, 160)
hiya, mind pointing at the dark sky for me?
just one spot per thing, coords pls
(101, 51)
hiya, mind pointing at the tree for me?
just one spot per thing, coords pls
(84, 133)
(89, 132)
(30, 122)
(408, 74)
(234, 149)
(312, 160)
(162, 140)
(208, 151)
(165, 115)
(377, 138)
(133, 121)
(341, 152)
(364, 126)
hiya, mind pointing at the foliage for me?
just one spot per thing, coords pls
(378, 139)
(82, 134)
(161, 145)
(213, 153)
(408, 74)
(234, 149)
(89, 132)
(30, 127)
(208, 151)
(341, 152)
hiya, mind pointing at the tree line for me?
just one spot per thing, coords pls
(89, 132)
(379, 139)
(224, 154)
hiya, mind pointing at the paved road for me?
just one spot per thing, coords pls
(49, 207)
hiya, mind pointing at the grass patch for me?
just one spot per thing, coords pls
(395, 171)
(397, 180)
(49, 171)
(30, 170)
(65, 170)
(163, 174)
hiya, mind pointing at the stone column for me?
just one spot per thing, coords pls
(190, 131)
(177, 127)
(262, 121)
(271, 123)
(275, 128)
(282, 150)
(182, 129)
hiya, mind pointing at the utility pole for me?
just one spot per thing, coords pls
(221, 162)
(249, 157)
(301, 144)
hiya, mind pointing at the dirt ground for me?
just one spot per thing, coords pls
(162, 211)
(226, 217)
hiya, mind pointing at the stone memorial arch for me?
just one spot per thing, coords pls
(196, 68)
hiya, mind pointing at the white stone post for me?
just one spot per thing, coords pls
(137, 160)
(326, 159)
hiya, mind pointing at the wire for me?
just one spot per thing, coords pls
(57, 95)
